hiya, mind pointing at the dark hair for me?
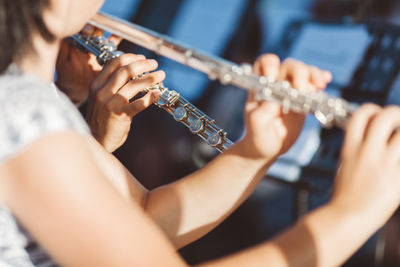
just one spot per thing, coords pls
(18, 20)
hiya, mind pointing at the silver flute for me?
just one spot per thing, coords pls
(171, 101)
(330, 111)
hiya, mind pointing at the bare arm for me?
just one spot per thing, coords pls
(366, 193)
(72, 210)
(67, 204)
(320, 239)
(193, 206)
(188, 209)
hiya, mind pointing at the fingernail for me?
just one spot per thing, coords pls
(88, 29)
(328, 75)
(271, 72)
(156, 93)
(153, 63)
(161, 74)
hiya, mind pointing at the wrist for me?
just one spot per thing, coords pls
(253, 157)
(247, 149)
(350, 215)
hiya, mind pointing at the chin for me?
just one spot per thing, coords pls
(76, 15)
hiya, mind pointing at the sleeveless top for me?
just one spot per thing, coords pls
(29, 110)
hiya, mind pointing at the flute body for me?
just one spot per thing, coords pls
(328, 110)
(171, 101)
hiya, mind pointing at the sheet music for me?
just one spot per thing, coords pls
(337, 48)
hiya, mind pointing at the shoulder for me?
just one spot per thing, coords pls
(29, 110)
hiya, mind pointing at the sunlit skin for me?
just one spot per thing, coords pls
(102, 216)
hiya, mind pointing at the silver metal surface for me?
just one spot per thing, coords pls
(328, 110)
(181, 109)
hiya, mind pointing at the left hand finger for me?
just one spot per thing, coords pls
(88, 29)
(116, 40)
(91, 30)
(63, 55)
(111, 66)
(133, 87)
(142, 103)
(122, 75)
(77, 57)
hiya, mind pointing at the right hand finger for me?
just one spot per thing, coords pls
(268, 65)
(297, 73)
(383, 126)
(394, 147)
(356, 128)
(320, 77)
(371, 127)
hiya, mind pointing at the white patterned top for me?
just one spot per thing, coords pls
(29, 110)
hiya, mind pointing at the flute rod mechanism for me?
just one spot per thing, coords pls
(328, 110)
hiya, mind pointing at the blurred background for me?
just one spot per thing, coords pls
(358, 40)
